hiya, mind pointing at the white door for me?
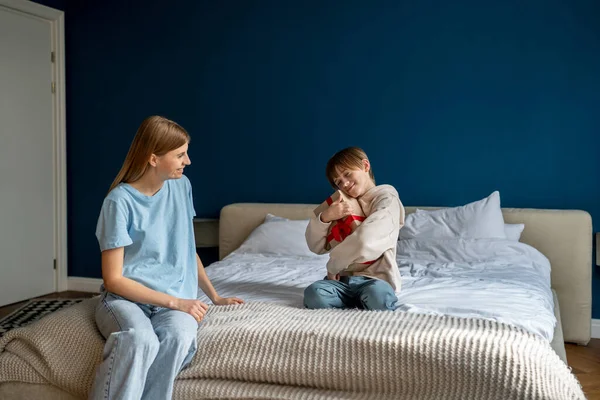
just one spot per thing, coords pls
(26, 158)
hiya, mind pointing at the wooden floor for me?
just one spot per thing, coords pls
(584, 360)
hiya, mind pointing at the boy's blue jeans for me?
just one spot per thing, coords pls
(351, 292)
(146, 347)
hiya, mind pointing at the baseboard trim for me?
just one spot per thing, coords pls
(77, 284)
(596, 328)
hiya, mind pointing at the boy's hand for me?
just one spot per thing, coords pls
(333, 277)
(337, 210)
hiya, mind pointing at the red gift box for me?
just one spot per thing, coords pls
(340, 229)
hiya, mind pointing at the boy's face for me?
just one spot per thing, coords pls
(354, 182)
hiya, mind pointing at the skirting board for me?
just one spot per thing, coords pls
(596, 328)
(93, 285)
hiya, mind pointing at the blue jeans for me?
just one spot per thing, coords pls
(146, 347)
(351, 292)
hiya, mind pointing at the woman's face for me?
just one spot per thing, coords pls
(171, 164)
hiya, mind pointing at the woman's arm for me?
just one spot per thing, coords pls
(205, 284)
(115, 282)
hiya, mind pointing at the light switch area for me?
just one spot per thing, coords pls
(206, 232)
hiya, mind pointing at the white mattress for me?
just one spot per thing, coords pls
(504, 281)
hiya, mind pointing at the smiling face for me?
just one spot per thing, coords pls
(354, 182)
(171, 164)
(349, 170)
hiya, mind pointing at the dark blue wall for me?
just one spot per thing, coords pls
(57, 4)
(450, 101)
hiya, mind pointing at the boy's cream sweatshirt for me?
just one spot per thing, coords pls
(373, 240)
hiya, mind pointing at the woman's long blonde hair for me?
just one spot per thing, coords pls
(348, 158)
(156, 135)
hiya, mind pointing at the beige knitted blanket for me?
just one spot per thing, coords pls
(267, 351)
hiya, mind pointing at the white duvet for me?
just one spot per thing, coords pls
(501, 280)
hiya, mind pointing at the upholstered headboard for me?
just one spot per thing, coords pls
(563, 236)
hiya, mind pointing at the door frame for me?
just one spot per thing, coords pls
(57, 27)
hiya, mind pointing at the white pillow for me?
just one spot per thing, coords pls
(477, 220)
(278, 235)
(275, 218)
(512, 231)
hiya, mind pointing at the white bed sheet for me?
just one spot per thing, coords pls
(496, 279)
(502, 280)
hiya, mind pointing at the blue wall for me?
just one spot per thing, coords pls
(57, 4)
(450, 102)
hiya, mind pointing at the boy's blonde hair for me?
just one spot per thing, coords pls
(156, 135)
(348, 158)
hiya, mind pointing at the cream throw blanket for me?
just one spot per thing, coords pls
(271, 351)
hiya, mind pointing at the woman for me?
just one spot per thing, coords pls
(148, 311)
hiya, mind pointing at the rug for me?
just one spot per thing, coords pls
(33, 311)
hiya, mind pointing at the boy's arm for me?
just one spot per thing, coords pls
(316, 234)
(378, 233)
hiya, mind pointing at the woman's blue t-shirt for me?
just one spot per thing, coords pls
(157, 234)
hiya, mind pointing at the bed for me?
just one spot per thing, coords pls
(274, 350)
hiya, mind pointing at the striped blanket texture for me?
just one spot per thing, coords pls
(267, 351)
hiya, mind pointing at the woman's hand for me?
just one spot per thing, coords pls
(223, 301)
(195, 308)
(337, 210)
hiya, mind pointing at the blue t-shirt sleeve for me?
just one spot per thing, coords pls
(190, 197)
(111, 230)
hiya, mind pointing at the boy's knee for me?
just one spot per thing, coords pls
(317, 295)
(378, 296)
